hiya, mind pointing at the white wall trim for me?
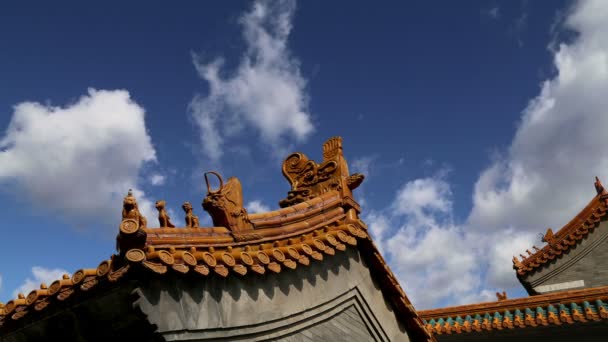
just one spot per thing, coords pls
(559, 286)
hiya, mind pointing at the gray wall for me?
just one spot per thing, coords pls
(347, 325)
(585, 261)
(331, 300)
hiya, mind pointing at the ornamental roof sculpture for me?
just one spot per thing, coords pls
(318, 219)
(568, 236)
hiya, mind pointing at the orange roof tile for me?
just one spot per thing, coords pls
(557, 243)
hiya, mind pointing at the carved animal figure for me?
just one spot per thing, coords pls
(163, 217)
(191, 219)
(225, 205)
(131, 211)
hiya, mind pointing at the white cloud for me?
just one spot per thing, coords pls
(40, 275)
(157, 179)
(266, 92)
(256, 206)
(542, 180)
(546, 176)
(425, 194)
(434, 258)
(500, 248)
(78, 160)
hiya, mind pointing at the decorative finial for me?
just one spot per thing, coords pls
(599, 187)
(332, 148)
(130, 193)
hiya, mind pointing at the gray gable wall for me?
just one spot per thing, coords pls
(335, 297)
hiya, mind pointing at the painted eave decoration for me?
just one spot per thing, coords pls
(563, 308)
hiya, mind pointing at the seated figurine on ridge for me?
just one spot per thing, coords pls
(191, 219)
(163, 217)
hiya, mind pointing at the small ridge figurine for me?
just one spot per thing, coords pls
(191, 219)
(501, 296)
(163, 217)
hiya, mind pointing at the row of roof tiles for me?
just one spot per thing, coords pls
(272, 257)
(254, 258)
(568, 307)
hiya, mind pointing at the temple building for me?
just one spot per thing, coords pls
(306, 272)
(567, 280)
(309, 271)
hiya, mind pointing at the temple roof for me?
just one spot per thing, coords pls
(318, 219)
(567, 307)
(568, 236)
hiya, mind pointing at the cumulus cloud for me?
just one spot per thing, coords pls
(266, 92)
(39, 275)
(80, 159)
(256, 206)
(424, 245)
(546, 176)
(421, 196)
(542, 180)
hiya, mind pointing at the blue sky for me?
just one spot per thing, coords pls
(478, 125)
